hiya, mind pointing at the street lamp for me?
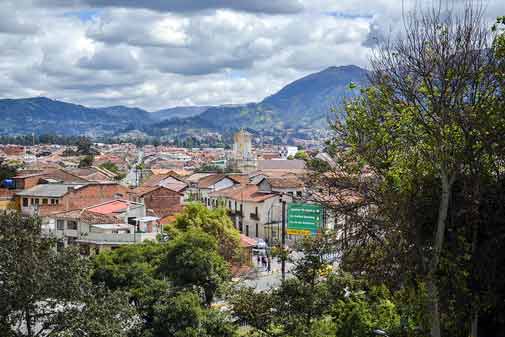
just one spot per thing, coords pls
(378, 332)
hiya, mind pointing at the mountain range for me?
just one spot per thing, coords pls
(304, 103)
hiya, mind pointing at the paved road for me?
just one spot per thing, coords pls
(263, 280)
(131, 177)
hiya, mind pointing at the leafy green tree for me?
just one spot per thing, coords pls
(193, 260)
(315, 303)
(418, 149)
(99, 313)
(301, 155)
(133, 269)
(85, 147)
(108, 165)
(178, 315)
(6, 171)
(86, 161)
(43, 292)
(215, 222)
(183, 273)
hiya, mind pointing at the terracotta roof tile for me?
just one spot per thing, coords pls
(247, 192)
(246, 241)
(210, 180)
(113, 206)
(87, 216)
(285, 182)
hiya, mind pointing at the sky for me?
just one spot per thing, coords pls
(156, 54)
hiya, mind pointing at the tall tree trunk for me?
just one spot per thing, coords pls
(433, 307)
(474, 328)
(28, 320)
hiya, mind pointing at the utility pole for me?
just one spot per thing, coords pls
(283, 239)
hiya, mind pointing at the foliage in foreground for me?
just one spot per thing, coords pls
(45, 293)
(313, 303)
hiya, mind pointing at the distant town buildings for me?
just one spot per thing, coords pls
(129, 192)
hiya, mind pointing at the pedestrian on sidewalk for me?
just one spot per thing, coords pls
(264, 261)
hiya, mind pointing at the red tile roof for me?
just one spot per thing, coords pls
(210, 180)
(87, 216)
(243, 193)
(246, 241)
(142, 190)
(114, 206)
(285, 182)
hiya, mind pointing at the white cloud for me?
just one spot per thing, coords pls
(146, 54)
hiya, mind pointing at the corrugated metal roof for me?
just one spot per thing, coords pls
(48, 190)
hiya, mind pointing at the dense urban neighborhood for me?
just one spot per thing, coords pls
(353, 201)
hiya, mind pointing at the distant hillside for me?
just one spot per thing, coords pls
(306, 102)
(178, 112)
(44, 115)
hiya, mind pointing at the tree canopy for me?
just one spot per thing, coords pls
(215, 222)
(415, 166)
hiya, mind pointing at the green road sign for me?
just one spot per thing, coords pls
(304, 219)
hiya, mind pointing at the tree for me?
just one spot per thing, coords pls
(132, 269)
(43, 292)
(86, 161)
(85, 147)
(193, 260)
(108, 165)
(414, 153)
(6, 171)
(302, 155)
(170, 283)
(314, 303)
(215, 222)
(99, 313)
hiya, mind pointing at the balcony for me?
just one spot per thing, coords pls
(104, 238)
(99, 238)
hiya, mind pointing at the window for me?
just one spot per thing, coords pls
(72, 225)
(229, 204)
(36, 201)
(25, 202)
(246, 230)
(60, 225)
(298, 193)
(44, 201)
(71, 241)
(257, 235)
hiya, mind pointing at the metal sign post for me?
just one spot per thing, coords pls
(283, 240)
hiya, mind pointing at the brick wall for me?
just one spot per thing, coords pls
(162, 201)
(93, 194)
